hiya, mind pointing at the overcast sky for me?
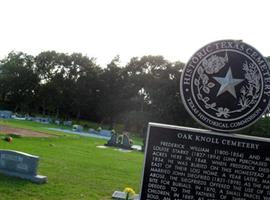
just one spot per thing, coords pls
(106, 28)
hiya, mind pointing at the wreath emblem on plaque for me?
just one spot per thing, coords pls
(249, 92)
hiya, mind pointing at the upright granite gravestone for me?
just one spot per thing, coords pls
(121, 141)
(112, 141)
(225, 87)
(67, 123)
(77, 128)
(6, 114)
(126, 142)
(22, 165)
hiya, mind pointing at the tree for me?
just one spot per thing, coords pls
(85, 73)
(164, 92)
(69, 84)
(19, 82)
(158, 88)
(52, 68)
(114, 94)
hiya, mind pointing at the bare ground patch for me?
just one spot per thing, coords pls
(22, 132)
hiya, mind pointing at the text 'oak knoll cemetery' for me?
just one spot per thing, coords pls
(225, 87)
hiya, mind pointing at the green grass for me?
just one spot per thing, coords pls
(75, 167)
(260, 128)
(35, 126)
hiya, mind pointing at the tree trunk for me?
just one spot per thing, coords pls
(111, 123)
(43, 107)
(57, 112)
(16, 108)
(78, 116)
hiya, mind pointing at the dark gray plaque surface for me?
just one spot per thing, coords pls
(225, 86)
(185, 163)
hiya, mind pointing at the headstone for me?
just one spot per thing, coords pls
(92, 131)
(6, 114)
(46, 120)
(67, 123)
(106, 133)
(119, 195)
(126, 142)
(112, 141)
(57, 122)
(121, 141)
(77, 128)
(18, 117)
(30, 118)
(43, 120)
(22, 165)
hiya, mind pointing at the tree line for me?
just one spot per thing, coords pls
(72, 86)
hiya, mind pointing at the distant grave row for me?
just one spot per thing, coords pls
(7, 114)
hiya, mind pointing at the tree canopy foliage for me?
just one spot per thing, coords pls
(74, 86)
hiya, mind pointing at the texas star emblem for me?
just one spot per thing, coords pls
(225, 85)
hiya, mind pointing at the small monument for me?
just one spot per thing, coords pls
(22, 165)
(121, 141)
(125, 143)
(112, 141)
(6, 114)
(225, 87)
(77, 128)
(67, 123)
(119, 195)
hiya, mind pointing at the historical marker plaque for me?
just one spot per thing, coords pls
(185, 163)
(225, 85)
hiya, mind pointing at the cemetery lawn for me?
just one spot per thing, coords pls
(75, 167)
